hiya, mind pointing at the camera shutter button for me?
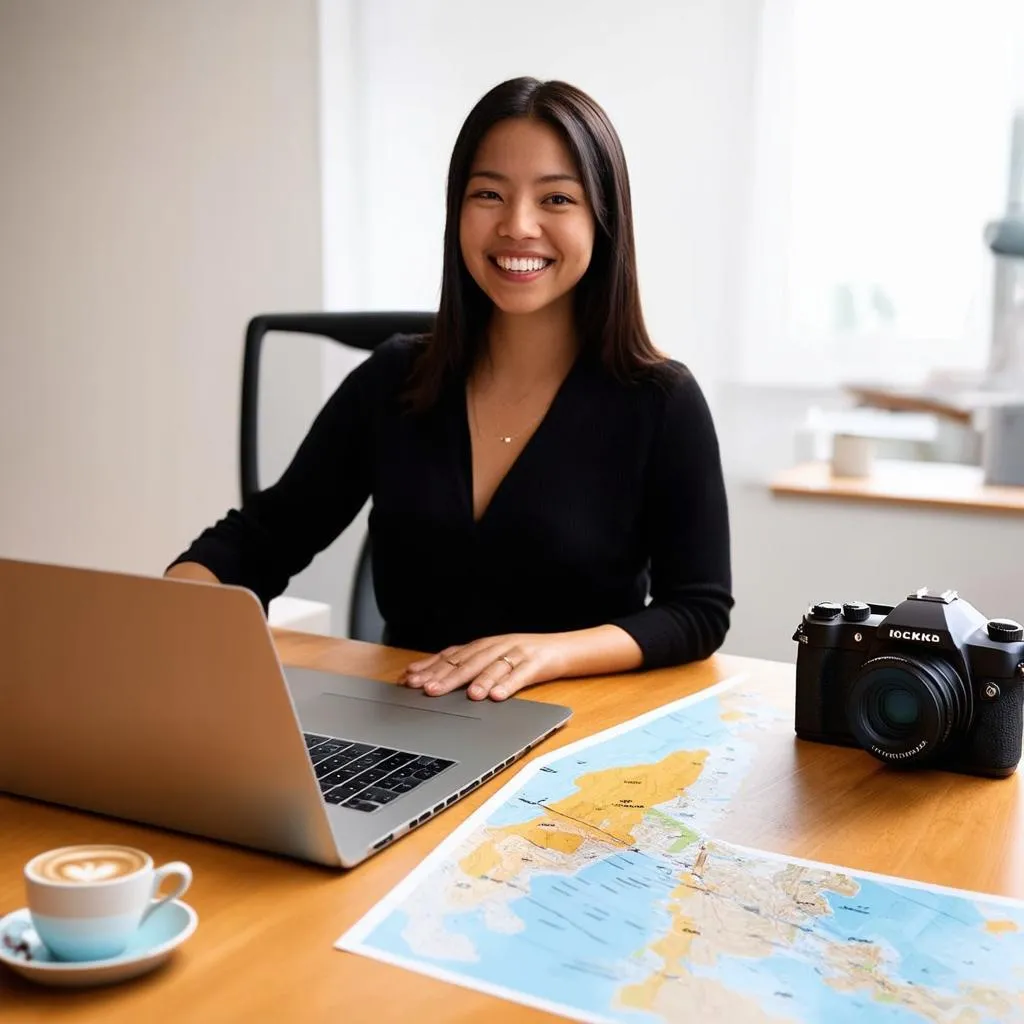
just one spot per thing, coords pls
(1004, 631)
(856, 611)
(826, 610)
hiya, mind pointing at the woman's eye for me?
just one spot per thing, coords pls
(485, 193)
(560, 200)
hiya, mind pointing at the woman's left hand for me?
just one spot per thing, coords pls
(495, 667)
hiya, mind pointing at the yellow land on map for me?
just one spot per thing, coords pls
(606, 807)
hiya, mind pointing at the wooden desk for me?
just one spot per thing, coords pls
(264, 947)
(893, 481)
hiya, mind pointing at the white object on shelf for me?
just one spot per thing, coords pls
(852, 455)
(299, 614)
(909, 436)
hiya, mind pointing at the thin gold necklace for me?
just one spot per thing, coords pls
(503, 437)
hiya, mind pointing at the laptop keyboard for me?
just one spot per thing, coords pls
(364, 777)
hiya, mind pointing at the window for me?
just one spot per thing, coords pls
(882, 149)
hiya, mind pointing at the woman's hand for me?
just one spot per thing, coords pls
(495, 667)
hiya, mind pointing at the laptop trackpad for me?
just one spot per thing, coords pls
(350, 707)
(365, 719)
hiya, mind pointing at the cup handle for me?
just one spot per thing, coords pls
(176, 867)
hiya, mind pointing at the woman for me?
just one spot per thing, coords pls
(535, 466)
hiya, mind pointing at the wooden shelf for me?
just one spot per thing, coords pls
(932, 484)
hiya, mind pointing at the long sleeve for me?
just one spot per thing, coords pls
(277, 532)
(687, 521)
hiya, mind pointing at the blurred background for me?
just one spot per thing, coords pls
(829, 208)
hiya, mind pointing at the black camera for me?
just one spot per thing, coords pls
(930, 683)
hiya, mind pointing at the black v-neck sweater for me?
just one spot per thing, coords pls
(618, 495)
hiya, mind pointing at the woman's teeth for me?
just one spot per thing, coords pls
(522, 265)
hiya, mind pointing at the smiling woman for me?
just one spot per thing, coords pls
(546, 486)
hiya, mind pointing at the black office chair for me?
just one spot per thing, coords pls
(358, 330)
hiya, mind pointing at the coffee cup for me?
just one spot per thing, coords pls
(86, 902)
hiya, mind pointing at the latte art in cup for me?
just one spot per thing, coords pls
(87, 865)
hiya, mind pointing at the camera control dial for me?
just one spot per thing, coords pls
(856, 611)
(1004, 631)
(826, 610)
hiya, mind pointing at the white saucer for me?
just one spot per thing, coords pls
(164, 930)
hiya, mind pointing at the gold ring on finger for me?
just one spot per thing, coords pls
(454, 664)
(508, 661)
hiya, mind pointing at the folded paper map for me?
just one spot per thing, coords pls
(593, 886)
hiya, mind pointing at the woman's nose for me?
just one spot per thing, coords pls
(519, 221)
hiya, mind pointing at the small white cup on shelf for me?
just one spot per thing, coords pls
(852, 455)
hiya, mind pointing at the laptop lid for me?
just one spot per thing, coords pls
(155, 700)
(163, 701)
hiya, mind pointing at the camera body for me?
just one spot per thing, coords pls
(929, 683)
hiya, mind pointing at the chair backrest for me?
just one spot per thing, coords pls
(363, 331)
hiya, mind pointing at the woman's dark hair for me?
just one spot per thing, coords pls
(607, 299)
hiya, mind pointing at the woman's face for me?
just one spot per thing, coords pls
(526, 229)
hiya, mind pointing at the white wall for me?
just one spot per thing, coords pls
(159, 185)
(789, 552)
(329, 577)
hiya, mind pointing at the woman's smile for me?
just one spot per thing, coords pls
(522, 268)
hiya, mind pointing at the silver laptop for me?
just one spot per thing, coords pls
(163, 701)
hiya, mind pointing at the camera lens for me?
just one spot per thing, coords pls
(903, 709)
(899, 707)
